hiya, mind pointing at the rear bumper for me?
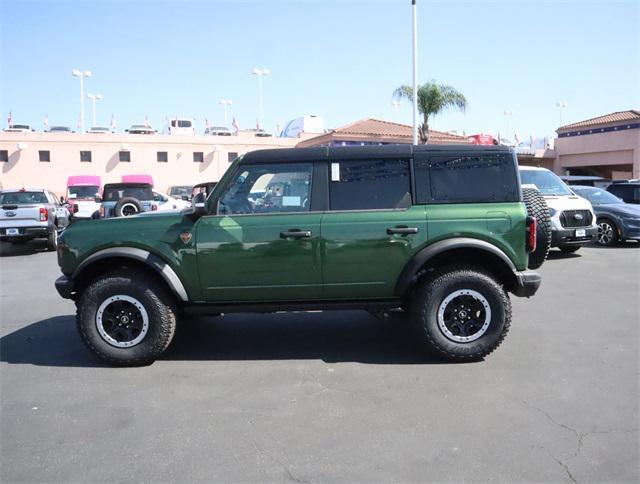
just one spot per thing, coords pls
(65, 287)
(527, 283)
(25, 233)
(568, 236)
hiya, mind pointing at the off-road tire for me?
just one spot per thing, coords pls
(431, 293)
(52, 241)
(537, 207)
(569, 249)
(127, 202)
(157, 301)
(615, 236)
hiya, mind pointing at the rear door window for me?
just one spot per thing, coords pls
(466, 178)
(369, 184)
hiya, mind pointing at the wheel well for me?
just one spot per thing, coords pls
(468, 256)
(110, 264)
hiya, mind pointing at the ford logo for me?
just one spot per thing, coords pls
(9, 214)
(578, 216)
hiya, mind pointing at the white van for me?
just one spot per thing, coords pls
(573, 222)
(183, 126)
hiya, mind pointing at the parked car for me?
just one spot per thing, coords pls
(627, 191)
(617, 220)
(165, 202)
(126, 199)
(31, 214)
(319, 228)
(181, 191)
(19, 128)
(573, 222)
(100, 130)
(82, 191)
(60, 129)
(180, 126)
(206, 188)
(217, 131)
(140, 129)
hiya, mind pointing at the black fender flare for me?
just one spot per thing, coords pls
(141, 255)
(419, 259)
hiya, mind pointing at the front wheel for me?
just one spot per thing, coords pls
(126, 318)
(461, 314)
(607, 233)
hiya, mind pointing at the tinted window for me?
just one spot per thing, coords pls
(4, 155)
(269, 188)
(44, 156)
(83, 192)
(198, 156)
(19, 198)
(124, 156)
(85, 156)
(462, 178)
(114, 194)
(369, 184)
(162, 156)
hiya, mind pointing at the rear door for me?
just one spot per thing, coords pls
(371, 229)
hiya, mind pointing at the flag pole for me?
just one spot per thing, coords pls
(415, 72)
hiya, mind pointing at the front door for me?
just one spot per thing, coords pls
(264, 243)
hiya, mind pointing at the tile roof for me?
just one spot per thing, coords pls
(371, 129)
(617, 117)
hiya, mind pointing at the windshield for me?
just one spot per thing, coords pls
(597, 196)
(547, 182)
(114, 194)
(84, 192)
(19, 198)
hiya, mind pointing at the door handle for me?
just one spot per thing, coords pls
(403, 230)
(295, 234)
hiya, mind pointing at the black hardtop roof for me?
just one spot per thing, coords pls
(360, 152)
(127, 185)
(204, 184)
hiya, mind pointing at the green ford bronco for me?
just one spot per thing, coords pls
(439, 233)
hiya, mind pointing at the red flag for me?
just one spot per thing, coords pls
(10, 119)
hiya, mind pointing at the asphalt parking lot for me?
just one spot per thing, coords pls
(313, 397)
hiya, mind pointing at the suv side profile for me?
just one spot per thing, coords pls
(438, 232)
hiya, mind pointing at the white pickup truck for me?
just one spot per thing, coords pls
(27, 214)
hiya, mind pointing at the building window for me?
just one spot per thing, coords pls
(124, 156)
(198, 156)
(162, 156)
(84, 156)
(232, 155)
(4, 155)
(44, 156)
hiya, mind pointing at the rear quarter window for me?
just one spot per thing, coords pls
(466, 178)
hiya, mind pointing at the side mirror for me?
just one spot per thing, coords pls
(98, 199)
(61, 200)
(199, 206)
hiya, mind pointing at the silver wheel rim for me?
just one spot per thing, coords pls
(605, 233)
(109, 327)
(471, 315)
(130, 208)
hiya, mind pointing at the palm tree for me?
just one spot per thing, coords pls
(433, 98)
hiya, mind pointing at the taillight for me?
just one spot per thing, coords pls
(101, 211)
(154, 207)
(44, 215)
(532, 234)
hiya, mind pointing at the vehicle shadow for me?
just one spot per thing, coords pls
(23, 248)
(557, 255)
(627, 244)
(345, 336)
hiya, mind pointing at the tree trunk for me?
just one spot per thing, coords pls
(424, 132)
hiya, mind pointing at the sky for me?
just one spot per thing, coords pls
(341, 60)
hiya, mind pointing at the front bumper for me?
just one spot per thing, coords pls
(65, 287)
(568, 236)
(527, 283)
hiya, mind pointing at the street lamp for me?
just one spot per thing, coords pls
(395, 105)
(226, 103)
(81, 75)
(260, 72)
(560, 105)
(507, 114)
(93, 98)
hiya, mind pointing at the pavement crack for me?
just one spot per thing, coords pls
(566, 469)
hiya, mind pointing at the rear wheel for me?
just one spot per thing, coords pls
(52, 240)
(461, 314)
(126, 318)
(537, 207)
(607, 233)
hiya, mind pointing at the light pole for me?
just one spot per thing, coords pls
(260, 72)
(396, 105)
(226, 103)
(414, 9)
(81, 75)
(93, 98)
(561, 105)
(507, 115)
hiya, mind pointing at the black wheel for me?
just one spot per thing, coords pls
(128, 206)
(607, 233)
(126, 318)
(52, 241)
(537, 207)
(461, 314)
(569, 249)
